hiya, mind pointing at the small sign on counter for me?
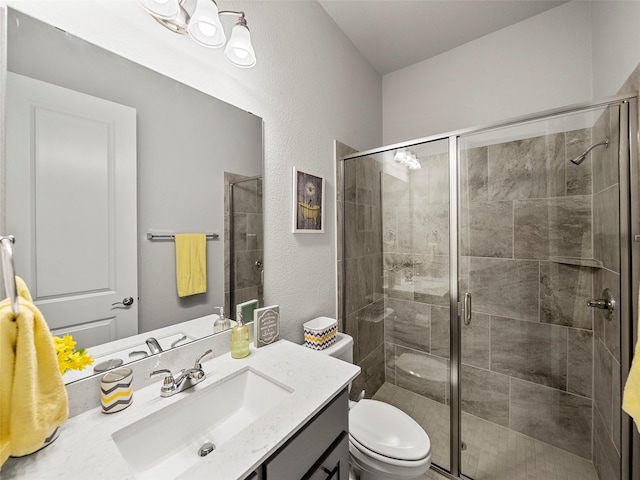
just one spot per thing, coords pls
(267, 325)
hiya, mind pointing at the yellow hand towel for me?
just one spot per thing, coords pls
(191, 263)
(33, 398)
(23, 291)
(631, 396)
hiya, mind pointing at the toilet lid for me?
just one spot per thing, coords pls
(388, 431)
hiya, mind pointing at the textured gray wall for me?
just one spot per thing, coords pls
(186, 141)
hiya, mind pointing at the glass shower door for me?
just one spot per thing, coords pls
(538, 238)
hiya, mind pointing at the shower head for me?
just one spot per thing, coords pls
(580, 158)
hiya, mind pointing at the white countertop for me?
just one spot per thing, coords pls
(85, 448)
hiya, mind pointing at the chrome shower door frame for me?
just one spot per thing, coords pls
(629, 250)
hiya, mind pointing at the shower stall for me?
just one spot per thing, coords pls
(489, 279)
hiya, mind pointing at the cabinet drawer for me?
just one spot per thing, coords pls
(334, 464)
(300, 453)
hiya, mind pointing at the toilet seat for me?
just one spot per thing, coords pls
(387, 433)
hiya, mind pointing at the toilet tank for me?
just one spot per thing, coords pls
(342, 348)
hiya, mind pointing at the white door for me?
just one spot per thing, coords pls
(71, 204)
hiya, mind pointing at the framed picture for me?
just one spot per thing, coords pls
(308, 202)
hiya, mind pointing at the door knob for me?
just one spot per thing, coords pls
(606, 303)
(125, 302)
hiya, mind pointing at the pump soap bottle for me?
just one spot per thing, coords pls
(222, 323)
(239, 339)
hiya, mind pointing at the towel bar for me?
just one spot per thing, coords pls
(158, 236)
(8, 272)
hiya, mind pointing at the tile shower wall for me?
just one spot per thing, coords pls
(361, 260)
(247, 240)
(527, 356)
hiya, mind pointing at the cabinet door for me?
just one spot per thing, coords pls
(300, 453)
(334, 464)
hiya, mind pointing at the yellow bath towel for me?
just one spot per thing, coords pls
(191, 263)
(631, 396)
(33, 398)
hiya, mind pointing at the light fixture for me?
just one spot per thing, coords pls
(408, 159)
(204, 27)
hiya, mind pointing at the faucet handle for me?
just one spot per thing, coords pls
(168, 382)
(198, 364)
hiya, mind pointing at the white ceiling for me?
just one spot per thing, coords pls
(394, 34)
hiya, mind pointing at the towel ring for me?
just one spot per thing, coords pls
(8, 272)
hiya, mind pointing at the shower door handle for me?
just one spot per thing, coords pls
(467, 308)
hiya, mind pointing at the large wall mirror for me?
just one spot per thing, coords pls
(97, 145)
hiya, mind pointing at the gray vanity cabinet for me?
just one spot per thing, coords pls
(319, 451)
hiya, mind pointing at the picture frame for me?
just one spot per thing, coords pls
(308, 202)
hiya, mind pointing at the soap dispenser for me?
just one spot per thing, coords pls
(221, 323)
(239, 339)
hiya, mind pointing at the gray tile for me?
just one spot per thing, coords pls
(390, 363)
(405, 229)
(247, 274)
(395, 191)
(245, 197)
(373, 236)
(370, 328)
(421, 373)
(605, 160)
(474, 173)
(475, 341)
(552, 416)
(359, 283)
(431, 279)
(485, 394)
(430, 184)
(254, 231)
(578, 176)
(506, 288)
(399, 273)
(564, 292)
(409, 325)
(580, 362)
(605, 457)
(603, 384)
(355, 237)
(518, 169)
(607, 329)
(530, 351)
(390, 230)
(371, 376)
(430, 229)
(491, 229)
(440, 324)
(606, 227)
(350, 181)
(240, 232)
(617, 410)
(553, 227)
(555, 163)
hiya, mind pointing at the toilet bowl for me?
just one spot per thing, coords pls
(384, 442)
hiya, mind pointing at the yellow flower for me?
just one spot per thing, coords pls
(68, 358)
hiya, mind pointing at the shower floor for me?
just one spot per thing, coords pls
(493, 452)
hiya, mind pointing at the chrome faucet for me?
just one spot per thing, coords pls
(154, 346)
(186, 379)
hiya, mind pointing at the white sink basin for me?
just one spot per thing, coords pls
(166, 443)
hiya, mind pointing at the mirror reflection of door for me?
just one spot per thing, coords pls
(71, 159)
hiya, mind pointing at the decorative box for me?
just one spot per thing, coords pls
(320, 333)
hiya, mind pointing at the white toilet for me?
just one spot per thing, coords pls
(384, 442)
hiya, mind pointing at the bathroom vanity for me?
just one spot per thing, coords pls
(282, 412)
